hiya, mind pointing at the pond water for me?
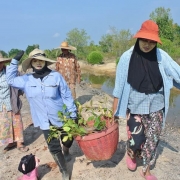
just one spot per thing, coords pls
(106, 84)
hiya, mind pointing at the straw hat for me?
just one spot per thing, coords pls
(4, 59)
(36, 54)
(65, 45)
(149, 30)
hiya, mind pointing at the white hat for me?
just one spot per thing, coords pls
(36, 54)
(4, 59)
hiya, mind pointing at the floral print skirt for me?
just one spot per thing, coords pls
(143, 136)
(11, 127)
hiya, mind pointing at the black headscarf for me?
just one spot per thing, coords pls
(41, 73)
(144, 74)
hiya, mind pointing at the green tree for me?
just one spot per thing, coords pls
(52, 54)
(121, 41)
(79, 39)
(92, 47)
(4, 54)
(176, 35)
(116, 42)
(163, 19)
(13, 52)
(31, 48)
(106, 43)
(167, 45)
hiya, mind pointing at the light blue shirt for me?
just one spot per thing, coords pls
(169, 70)
(141, 103)
(45, 97)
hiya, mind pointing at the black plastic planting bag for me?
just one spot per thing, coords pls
(27, 164)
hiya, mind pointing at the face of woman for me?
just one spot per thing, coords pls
(1, 65)
(65, 51)
(146, 45)
(37, 64)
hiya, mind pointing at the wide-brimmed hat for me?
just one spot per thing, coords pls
(65, 45)
(36, 54)
(2, 59)
(149, 30)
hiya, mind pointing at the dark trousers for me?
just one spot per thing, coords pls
(54, 145)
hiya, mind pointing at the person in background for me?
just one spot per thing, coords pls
(46, 92)
(145, 74)
(11, 125)
(68, 66)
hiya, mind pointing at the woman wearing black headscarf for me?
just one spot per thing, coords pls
(46, 92)
(145, 74)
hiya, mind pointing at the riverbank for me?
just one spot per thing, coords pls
(166, 167)
(108, 69)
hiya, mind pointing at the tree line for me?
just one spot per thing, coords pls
(113, 44)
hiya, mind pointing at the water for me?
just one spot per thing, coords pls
(106, 84)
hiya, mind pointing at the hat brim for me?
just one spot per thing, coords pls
(149, 36)
(5, 59)
(26, 64)
(67, 47)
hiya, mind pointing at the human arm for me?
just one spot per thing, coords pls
(122, 88)
(67, 98)
(115, 104)
(78, 71)
(121, 76)
(171, 69)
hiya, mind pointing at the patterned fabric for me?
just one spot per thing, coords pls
(169, 70)
(141, 103)
(143, 136)
(11, 127)
(5, 92)
(69, 68)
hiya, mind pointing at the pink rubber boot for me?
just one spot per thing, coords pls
(33, 175)
(131, 163)
(148, 177)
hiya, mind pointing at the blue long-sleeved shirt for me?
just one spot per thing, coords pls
(45, 97)
(169, 70)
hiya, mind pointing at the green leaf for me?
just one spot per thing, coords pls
(65, 138)
(64, 107)
(66, 129)
(82, 129)
(55, 135)
(91, 118)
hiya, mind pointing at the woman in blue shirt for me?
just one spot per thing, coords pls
(145, 74)
(46, 92)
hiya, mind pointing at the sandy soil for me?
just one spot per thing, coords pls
(166, 167)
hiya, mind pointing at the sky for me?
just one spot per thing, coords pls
(47, 22)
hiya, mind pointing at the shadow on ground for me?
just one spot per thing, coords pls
(31, 134)
(83, 99)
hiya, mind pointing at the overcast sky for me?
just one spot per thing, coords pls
(46, 22)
